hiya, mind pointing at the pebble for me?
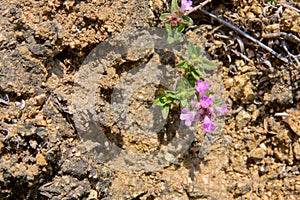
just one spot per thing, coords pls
(242, 119)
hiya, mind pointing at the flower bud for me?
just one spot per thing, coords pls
(173, 23)
(180, 21)
(174, 16)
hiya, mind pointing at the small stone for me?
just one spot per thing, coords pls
(257, 10)
(250, 15)
(93, 195)
(257, 154)
(296, 150)
(293, 120)
(248, 93)
(40, 99)
(243, 188)
(40, 159)
(33, 144)
(228, 83)
(255, 114)
(273, 28)
(2, 38)
(242, 119)
(1, 146)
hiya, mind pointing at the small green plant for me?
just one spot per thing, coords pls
(190, 90)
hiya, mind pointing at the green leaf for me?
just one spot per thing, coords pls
(180, 85)
(162, 92)
(165, 111)
(197, 51)
(184, 103)
(190, 49)
(170, 96)
(194, 52)
(163, 100)
(184, 65)
(170, 34)
(200, 72)
(195, 75)
(185, 94)
(180, 28)
(164, 15)
(178, 36)
(174, 6)
(187, 20)
(190, 92)
(159, 102)
(207, 64)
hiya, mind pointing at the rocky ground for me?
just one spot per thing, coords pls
(43, 45)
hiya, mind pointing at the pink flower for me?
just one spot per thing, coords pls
(186, 5)
(208, 125)
(202, 87)
(188, 116)
(194, 103)
(205, 101)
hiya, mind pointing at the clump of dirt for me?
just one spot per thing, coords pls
(44, 43)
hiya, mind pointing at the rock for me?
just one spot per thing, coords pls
(296, 150)
(293, 120)
(75, 167)
(65, 187)
(257, 154)
(93, 195)
(40, 159)
(242, 119)
(243, 188)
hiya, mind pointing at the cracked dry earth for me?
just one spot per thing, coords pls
(42, 47)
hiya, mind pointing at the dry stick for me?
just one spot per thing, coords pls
(290, 54)
(198, 7)
(279, 56)
(287, 5)
(286, 36)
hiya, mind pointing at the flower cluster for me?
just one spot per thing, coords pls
(174, 20)
(203, 109)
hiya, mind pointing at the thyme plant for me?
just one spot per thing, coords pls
(190, 89)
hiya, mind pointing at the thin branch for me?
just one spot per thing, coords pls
(279, 56)
(295, 57)
(201, 5)
(286, 36)
(289, 6)
(4, 102)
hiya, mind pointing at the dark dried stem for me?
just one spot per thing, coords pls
(4, 102)
(286, 36)
(289, 6)
(279, 56)
(295, 57)
(201, 5)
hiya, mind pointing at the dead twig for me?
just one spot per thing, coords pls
(5, 101)
(286, 36)
(241, 44)
(295, 57)
(201, 5)
(289, 6)
(279, 56)
(240, 55)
